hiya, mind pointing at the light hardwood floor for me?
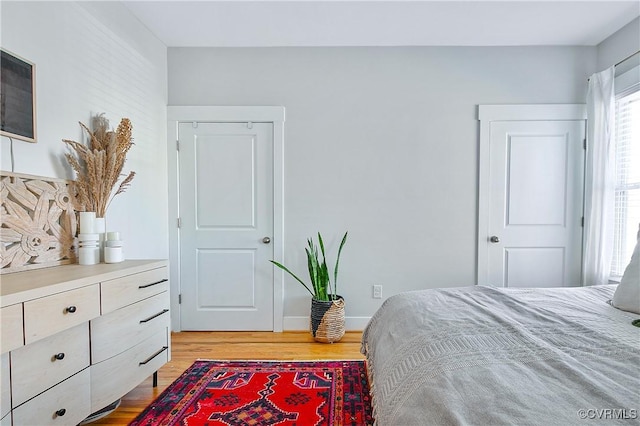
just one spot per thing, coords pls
(189, 346)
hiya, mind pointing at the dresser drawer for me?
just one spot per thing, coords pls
(35, 368)
(5, 385)
(11, 332)
(122, 329)
(116, 376)
(49, 315)
(133, 288)
(73, 396)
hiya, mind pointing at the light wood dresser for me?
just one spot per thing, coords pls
(74, 339)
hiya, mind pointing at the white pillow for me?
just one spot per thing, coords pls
(627, 295)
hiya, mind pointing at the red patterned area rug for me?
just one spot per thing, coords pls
(260, 393)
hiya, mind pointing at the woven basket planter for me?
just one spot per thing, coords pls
(327, 320)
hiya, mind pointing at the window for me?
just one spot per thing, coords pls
(627, 193)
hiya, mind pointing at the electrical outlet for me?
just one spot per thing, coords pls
(377, 292)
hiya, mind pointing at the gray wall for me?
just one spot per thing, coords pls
(382, 142)
(619, 45)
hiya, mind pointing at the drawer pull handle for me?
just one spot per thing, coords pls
(61, 412)
(71, 309)
(152, 284)
(164, 311)
(59, 356)
(164, 348)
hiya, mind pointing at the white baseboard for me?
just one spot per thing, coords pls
(302, 323)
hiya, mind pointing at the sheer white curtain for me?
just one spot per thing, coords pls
(599, 178)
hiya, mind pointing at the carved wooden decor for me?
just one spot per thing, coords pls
(38, 222)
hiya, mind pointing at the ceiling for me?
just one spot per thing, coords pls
(261, 23)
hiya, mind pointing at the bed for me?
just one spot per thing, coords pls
(497, 356)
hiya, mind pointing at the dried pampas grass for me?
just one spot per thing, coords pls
(98, 166)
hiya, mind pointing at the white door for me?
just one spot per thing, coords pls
(226, 211)
(532, 235)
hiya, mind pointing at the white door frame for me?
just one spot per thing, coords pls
(487, 114)
(226, 114)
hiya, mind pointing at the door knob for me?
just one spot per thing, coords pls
(494, 239)
(266, 240)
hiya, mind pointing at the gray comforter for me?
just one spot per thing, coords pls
(489, 356)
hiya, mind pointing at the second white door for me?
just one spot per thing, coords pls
(226, 211)
(534, 230)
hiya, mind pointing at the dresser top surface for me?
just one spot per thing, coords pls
(20, 287)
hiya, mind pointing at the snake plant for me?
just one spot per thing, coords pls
(320, 288)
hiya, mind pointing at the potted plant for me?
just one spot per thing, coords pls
(327, 307)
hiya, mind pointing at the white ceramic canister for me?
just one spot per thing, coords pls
(88, 249)
(87, 220)
(113, 251)
(88, 255)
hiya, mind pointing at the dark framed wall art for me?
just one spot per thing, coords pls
(17, 97)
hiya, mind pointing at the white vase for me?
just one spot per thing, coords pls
(113, 248)
(100, 228)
